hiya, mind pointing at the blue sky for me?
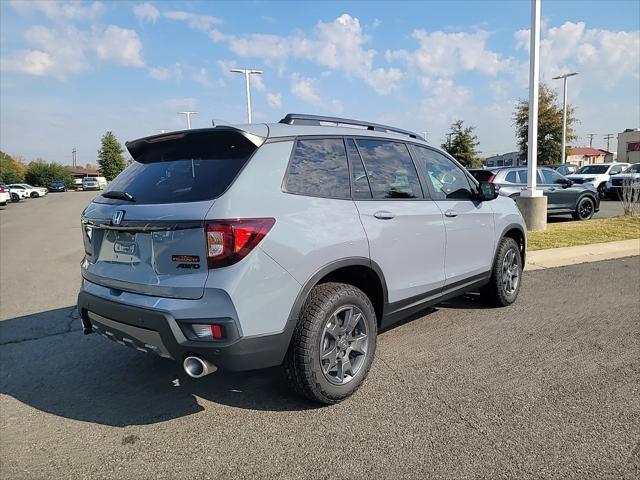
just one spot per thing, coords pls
(72, 70)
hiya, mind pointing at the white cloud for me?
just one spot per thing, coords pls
(201, 76)
(257, 82)
(118, 45)
(171, 72)
(274, 100)
(606, 55)
(61, 11)
(58, 53)
(146, 12)
(340, 45)
(306, 89)
(64, 51)
(180, 104)
(443, 54)
(198, 22)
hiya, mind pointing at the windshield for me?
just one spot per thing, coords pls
(593, 169)
(635, 168)
(199, 166)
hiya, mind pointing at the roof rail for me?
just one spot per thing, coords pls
(304, 119)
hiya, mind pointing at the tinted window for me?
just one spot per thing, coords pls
(482, 175)
(593, 169)
(390, 169)
(449, 181)
(189, 168)
(551, 177)
(319, 167)
(359, 180)
(511, 177)
(523, 176)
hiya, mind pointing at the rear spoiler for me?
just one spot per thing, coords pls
(137, 147)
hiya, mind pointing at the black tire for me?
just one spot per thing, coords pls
(302, 365)
(602, 190)
(34, 195)
(15, 197)
(495, 292)
(584, 210)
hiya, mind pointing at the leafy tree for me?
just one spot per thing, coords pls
(549, 126)
(41, 174)
(110, 156)
(11, 170)
(462, 144)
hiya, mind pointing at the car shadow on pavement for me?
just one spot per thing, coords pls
(49, 364)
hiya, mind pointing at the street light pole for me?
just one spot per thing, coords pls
(188, 114)
(564, 112)
(247, 72)
(531, 202)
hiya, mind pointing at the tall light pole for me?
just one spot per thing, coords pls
(247, 72)
(188, 114)
(564, 112)
(531, 202)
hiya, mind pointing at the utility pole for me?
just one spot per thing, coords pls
(564, 112)
(247, 72)
(188, 114)
(608, 138)
(591, 135)
(448, 135)
(73, 156)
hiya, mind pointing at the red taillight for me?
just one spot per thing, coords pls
(229, 241)
(217, 332)
(491, 179)
(1, 189)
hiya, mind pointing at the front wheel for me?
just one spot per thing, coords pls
(333, 345)
(506, 275)
(34, 195)
(15, 197)
(602, 190)
(584, 210)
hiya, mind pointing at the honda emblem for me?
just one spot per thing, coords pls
(117, 217)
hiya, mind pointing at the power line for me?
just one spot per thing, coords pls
(591, 135)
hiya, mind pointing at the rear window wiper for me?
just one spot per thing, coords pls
(119, 195)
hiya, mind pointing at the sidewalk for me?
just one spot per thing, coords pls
(560, 257)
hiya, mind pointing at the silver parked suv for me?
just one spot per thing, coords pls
(250, 246)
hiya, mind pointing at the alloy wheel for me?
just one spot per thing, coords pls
(585, 209)
(510, 272)
(344, 344)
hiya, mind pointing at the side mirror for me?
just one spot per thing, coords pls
(566, 182)
(488, 191)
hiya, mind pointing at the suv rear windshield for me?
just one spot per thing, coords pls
(593, 169)
(191, 167)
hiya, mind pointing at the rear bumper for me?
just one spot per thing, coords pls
(159, 332)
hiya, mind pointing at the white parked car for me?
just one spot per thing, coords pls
(5, 196)
(597, 175)
(94, 183)
(30, 190)
(16, 194)
(617, 182)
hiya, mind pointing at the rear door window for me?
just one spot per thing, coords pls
(511, 177)
(319, 168)
(185, 168)
(390, 170)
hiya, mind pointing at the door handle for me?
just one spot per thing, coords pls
(384, 215)
(450, 213)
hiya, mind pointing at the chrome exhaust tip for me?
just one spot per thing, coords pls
(197, 367)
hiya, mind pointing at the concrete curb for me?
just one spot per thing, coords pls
(596, 252)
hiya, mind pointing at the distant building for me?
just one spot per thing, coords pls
(581, 156)
(511, 159)
(629, 145)
(80, 172)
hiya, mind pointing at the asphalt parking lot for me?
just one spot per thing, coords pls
(546, 388)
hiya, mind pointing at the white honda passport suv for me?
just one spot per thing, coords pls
(250, 246)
